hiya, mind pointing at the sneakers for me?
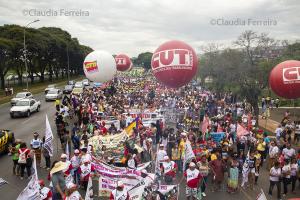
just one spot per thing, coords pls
(203, 194)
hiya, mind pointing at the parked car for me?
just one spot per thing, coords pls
(68, 89)
(53, 94)
(19, 96)
(72, 82)
(50, 87)
(25, 107)
(7, 138)
(79, 85)
(85, 82)
(77, 91)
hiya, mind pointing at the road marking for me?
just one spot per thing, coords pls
(24, 122)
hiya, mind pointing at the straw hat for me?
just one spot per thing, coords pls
(59, 166)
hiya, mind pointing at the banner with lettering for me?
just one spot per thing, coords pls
(217, 136)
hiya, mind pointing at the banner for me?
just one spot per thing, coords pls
(240, 131)
(164, 189)
(32, 190)
(136, 192)
(48, 138)
(89, 191)
(189, 154)
(217, 136)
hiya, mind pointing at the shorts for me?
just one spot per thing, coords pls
(191, 192)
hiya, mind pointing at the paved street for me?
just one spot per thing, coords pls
(24, 127)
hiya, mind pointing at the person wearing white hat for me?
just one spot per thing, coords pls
(193, 178)
(75, 162)
(120, 193)
(161, 153)
(67, 170)
(86, 170)
(169, 169)
(72, 193)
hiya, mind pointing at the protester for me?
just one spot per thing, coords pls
(58, 180)
(45, 193)
(120, 192)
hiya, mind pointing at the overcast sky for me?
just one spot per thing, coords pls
(135, 26)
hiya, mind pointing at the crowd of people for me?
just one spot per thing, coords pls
(228, 148)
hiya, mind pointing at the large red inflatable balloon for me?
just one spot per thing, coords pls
(284, 79)
(123, 62)
(174, 63)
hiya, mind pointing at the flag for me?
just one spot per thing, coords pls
(48, 138)
(240, 131)
(32, 190)
(205, 125)
(3, 182)
(67, 151)
(261, 196)
(131, 126)
(188, 153)
(89, 191)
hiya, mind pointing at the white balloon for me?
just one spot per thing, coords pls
(99, 66)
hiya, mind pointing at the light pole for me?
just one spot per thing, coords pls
(25, 58)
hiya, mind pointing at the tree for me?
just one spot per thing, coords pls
(144, 59)
(6, 47)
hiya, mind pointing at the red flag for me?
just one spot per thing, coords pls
(240, 131)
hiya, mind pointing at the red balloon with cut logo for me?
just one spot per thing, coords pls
(284, 79)
(174, 63)
(123, 62)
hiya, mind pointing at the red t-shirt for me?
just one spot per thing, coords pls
(192, 178)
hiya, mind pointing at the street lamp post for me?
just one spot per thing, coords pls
(25, 58)
(68, 63)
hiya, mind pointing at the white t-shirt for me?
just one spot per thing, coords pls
(160, 155)
(275, 173)
(278, 132)
(273, 151)
(288, 153)
(285, 169)
(294, 169)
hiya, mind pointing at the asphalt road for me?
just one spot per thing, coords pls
(24, 128)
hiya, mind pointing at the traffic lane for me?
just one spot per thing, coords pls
(23, 129)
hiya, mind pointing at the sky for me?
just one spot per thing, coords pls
(135, 26)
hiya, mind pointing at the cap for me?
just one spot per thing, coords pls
(41, 182)
(71, 185)
(192, 164)
(35, 133)
(166, 158)
(63, 155)
(161, 145)
(120, 184)
(76, 151)
(86, 160)
(183, 134)
(149, 140)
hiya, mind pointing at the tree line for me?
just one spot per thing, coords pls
(47, 50)
(244, 69)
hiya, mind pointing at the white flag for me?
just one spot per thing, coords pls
(48, 138)
(261, 196)
(89, 191)
(188, 153)
(32, 190)
(67, 151)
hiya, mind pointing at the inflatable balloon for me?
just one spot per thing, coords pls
(174, 63)
(284, 79)
(99, 66)
(123, 62)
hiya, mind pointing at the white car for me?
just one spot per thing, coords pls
(50, 87)
(53, 94)
(85, 82)
(25, 107)
(19, 96)
(78, 85)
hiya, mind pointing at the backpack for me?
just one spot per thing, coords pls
(22, 157)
